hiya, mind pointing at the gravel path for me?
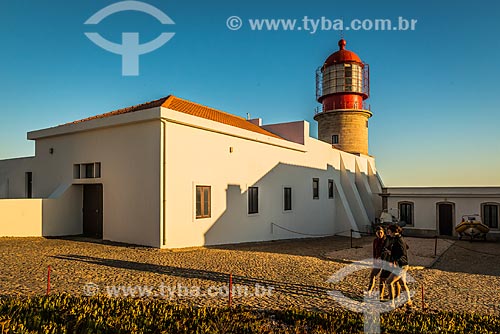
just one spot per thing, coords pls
(420, 252)
(266, 275)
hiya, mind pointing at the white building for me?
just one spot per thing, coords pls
(173, 173)
(431, 211)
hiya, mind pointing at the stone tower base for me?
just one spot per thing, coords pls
(351, 127)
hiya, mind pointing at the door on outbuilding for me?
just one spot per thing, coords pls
(92, 210)
(445, 218)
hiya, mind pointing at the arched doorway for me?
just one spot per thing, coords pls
(445, 218)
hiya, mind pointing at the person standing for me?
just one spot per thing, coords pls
(399, 256)
(378, 246)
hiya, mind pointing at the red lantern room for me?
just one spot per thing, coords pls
(342, 85)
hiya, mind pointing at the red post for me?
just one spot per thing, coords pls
(48, 280)
(230, 289)
(435, 245)
(423, 297)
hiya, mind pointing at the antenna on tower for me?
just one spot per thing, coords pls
(342, 30)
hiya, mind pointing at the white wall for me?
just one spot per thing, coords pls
(297, 132)
(62, 213)
(130, 169)
(13, 177)
(195, 156)
(466, 201)
(138, 167)
(20, 218)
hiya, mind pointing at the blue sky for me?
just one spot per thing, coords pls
(434, 91)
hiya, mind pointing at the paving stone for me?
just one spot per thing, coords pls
(465, 278)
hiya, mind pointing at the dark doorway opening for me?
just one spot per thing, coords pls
(29, 185)
(445, 218)
(92, 210)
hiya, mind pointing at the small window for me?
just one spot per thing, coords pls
(89, 171)
(331, 189)
(490, 215)
(29, 184)
(315, 188)
(287, 197)
(253, 200)
(97, 170)
(76, 171)
(406, 212)
(335, 139)
(203, 201)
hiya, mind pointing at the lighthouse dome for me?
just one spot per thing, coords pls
(342, 56)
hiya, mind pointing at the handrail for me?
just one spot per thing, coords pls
(364, 106)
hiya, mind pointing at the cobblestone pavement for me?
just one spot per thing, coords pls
(422, 252)
(266, 275)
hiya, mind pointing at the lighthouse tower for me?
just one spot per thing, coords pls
(342, 86)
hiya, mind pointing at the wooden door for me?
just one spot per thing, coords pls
(92, 210)
(445, 218)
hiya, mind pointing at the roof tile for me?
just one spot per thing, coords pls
(191, 108)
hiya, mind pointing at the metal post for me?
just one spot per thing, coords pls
(48, 280)
(230, 289)
(435, 245)
(423, 305)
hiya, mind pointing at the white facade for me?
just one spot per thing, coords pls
(426, 203)
(151, 161)
(230, 160)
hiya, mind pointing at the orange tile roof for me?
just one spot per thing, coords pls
(191, 108)
(143, 106)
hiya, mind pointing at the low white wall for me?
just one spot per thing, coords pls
(62, 214)
(20, 218)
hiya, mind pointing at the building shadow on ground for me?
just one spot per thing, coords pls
(312, 247)
(296, 289)
(477, 257)
(86, 239)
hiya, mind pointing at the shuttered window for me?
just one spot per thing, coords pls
(203, 201)
(253, 200)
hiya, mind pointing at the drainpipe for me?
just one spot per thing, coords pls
(164, 179)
